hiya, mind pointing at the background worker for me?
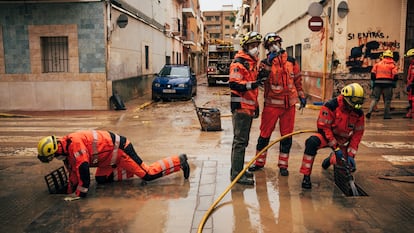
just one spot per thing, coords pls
(282, 90)
(106, 151)
(341, 127)
(410, 84)
(384, 74)
(244, 106)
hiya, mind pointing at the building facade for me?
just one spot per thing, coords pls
(344, 48)
(220, 24)
(73, 55)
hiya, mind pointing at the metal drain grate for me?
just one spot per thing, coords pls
(345, 182)
(57, 181)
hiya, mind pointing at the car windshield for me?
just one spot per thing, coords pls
(174, 71)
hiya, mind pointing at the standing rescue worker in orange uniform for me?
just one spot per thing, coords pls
(282, 90)
(341, 127)
(410, 84)
(384, 73)
(244, 106)
(108, 152)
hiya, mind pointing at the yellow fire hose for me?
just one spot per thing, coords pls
(210, 210)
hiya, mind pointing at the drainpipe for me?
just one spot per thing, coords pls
(325, 59)
(108, 40)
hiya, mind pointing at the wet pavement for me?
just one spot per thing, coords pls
(385, 164)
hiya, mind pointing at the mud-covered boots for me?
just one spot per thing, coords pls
(327, 162)
(255, 167)
(184, 165)
(306, 182)
(245, 179)
(284, 171)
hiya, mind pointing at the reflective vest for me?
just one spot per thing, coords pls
(244, 75)
(340, 125)
(385, 70)
(284, 82)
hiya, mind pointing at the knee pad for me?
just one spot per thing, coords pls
(311, 145)
(285, 145)
(262, 143)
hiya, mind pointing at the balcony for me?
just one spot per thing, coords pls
(188, 9)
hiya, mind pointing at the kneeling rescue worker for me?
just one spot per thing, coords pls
(112, 154)
(340, 126)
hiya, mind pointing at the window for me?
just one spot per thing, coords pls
(146, 57)
(298, 54)
(289, 50)
(55, 56)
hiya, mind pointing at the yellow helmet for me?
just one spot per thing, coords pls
(388, 53)
(251, 37)
(410, 53)
(46, 148)
(353, 95)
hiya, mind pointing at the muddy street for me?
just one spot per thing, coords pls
(385, 163)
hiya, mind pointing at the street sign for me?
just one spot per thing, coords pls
(315, 23)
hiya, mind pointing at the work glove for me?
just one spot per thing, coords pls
(302, 103)
(256, 112)
(372, 84)
(272, 56)
(408, 88)
(351, 163)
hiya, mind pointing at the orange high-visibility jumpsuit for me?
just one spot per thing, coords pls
(281, 92)
(106, 150)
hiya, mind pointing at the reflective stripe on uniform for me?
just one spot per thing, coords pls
(274, 101)
(242, 100)
(165, 169)
(95, 147)
(115, 151)
(235, 75)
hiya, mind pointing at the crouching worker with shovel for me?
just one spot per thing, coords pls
(112, 154)
(340, 126)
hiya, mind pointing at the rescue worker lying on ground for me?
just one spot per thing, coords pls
(340, 126)
(108, 152)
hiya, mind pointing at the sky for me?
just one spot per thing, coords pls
(214, 5)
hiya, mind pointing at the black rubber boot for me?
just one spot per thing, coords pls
(249, 174)
(184, 165)
(255, 167)
(306, 183)
(244, 180)
(326, 163)
(284, 172)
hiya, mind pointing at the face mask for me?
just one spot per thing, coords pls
(274, 48)
(254, 51)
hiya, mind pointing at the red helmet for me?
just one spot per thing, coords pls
(271, 37)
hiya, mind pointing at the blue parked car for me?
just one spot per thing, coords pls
(174, 82)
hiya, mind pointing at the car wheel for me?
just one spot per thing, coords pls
(195, 91)
(154, 97)
(211, 82)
